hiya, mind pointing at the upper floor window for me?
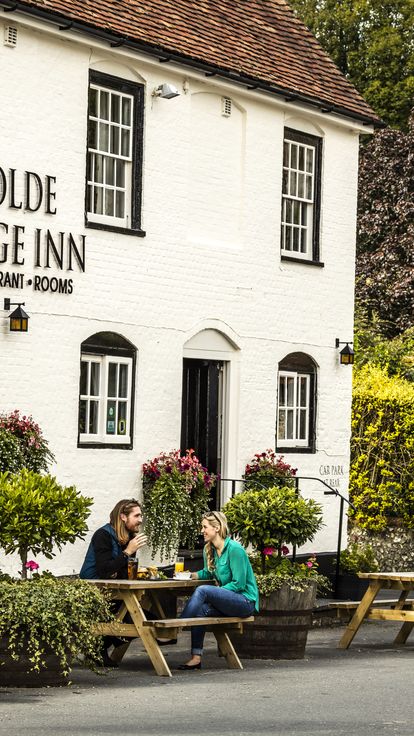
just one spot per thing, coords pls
(113, 175)
(106, 391)
(301, 195)
(296, 406)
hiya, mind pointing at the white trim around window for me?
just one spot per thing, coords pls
(105, 399)
(293, 409)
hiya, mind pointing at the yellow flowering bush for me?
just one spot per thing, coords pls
(382, 449)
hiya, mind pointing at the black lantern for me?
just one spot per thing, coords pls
(19, 320)
(346, 355)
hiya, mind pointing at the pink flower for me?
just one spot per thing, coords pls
(285, 550)
(268, 550)
(31, 565)
(309, 564)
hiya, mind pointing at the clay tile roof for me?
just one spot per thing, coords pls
(261, 40)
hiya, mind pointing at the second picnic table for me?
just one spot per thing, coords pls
(402, 610)
(135, 594)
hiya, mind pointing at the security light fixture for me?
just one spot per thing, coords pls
(166, 91)
(19, 320)
(346, 355)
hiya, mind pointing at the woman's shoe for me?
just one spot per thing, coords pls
(189, 666)
(166, 642)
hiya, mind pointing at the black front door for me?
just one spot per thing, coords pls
(201, 413)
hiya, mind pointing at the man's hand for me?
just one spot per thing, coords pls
(135, 543)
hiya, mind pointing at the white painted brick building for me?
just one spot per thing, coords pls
(208, 275)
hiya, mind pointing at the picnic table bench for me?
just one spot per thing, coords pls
(136, 593)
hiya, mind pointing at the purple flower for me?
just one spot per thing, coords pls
(31, 565)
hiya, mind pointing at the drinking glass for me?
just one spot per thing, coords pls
(179, 565)
(132, 568)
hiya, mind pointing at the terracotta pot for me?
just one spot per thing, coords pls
(280, 629)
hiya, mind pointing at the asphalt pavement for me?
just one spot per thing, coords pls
(363, 691)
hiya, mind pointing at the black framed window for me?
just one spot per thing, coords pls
(301, 196)
(296, 404)
(114, 154)
(106, 391)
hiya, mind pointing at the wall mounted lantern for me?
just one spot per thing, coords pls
(19, 320)
(346, 355)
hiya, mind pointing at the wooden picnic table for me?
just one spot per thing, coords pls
(401, 610)
(137, 595)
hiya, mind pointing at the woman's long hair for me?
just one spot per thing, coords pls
(122, 507)
(218, 520)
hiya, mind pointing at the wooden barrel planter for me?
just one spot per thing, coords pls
(280, 629)
(17, 673)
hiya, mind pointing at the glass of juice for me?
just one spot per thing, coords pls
(179, 565)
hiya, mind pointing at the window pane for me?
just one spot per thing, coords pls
(304, 210)
(103, 137)
(125, 142)
(89, 199)
(82, 416)
(123, 381)
(115, 139)
(110, 417)
(109, 202)
(110, 171)
(292, 183)
(93, 417)
(288, 210)
(104, 105)
(288, 239)
(126, 111)
(303, 241)
(289, 424)
(120, 205)
(112, 379)
(309, 194)
(282, 426)
(295, 239)
(282, 392)
(120, 173)
(92, 134)
(301, 158)
(286, 154)
(301, 186)
(303, 391)
(99, 168)
(115, 108)
(309, 160)
(98, 200)
(93, 102)
(293, 156)
(84, 378)
(122, 407)
(302, 425)
(290, 391)
(285, 181)
(296, 213)
(95, 375)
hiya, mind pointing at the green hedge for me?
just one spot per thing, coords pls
(382, 449)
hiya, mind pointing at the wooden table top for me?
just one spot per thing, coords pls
(406, 577)
(169, 584)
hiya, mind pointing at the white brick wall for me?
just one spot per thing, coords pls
(191, 271)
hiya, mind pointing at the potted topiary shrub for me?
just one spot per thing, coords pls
(37, 514)
(45, 626)
(270, 519)
(176, 494)
(352, 560)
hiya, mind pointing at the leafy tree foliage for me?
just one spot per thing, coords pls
(385, 239)
(371, 41)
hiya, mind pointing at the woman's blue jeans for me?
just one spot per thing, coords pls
(208, 600)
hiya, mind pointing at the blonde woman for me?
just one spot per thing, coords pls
(226, 562)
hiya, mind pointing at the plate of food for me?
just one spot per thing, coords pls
(185, 575)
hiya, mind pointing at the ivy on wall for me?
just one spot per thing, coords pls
(382, 450)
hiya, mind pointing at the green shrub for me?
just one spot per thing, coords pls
(36, 514)
(382, 449)
(11, 455)
(49, 613)
(358, 558)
